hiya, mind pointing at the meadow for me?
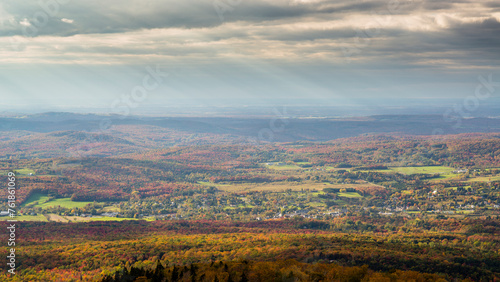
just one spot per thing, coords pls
(43, 201)
(282, 186)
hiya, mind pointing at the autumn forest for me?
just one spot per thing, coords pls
(167, 201)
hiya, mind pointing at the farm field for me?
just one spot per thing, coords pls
(64, 203)
(100, 218)
(282, 167)
(66, 219)
(422, 169)
(19, 171)
(349, 194)
(24, 171)
(43, 202)
(409, 170)
(38, 217)
(484, 178)
(56, 218)
(280, 186)
(36, 198)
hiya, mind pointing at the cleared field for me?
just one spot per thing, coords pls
(59, 218)
(349, 195)
(276, 186)
(101, 218)
(19, 171)
(24, 171)
(449, 176)
(56, 218)
(422, 169)
(31, 218)
(64, 203)
(484, 179)
(111, 209)
(37, 197)
(283, 167)
(43, 202)
(282, 186)
(443, 170)
(331, 168)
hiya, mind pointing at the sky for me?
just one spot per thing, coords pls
(89, 54)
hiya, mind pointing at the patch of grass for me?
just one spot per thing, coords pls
(422, 169)
(283, 186)
(102, 218)
(337, 168)
(64, 203)
(284, 167)
(484, 178)
(316, 204)
(349, 195)
(107, 218)
(38, 217)
(56, 217)
(36, 197)
(19, 171)
(408, 170)
(111, 209)
(445, 177)
(24, 171)
(464, 211)
(43, 202)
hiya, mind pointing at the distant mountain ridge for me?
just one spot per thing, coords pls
(270, 129)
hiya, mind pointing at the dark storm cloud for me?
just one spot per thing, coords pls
(410, 32)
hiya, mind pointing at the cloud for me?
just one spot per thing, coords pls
(67, 20)
(326, 40)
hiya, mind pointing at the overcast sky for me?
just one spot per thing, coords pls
(89, 53)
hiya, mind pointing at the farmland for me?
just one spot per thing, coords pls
(43, 201)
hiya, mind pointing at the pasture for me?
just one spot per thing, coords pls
(43, 201)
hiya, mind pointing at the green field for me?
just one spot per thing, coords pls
(349, 195)
(64, 203)
(24, 171)
(336, 168)
(283, 186)
(485, 178)
(19, 171)
(42, 201)
(282, 167)
(316, 204)
(422, 169)
(444, 171)
(58, 218)
(103, 218)
(31, 218)
(36, 197)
